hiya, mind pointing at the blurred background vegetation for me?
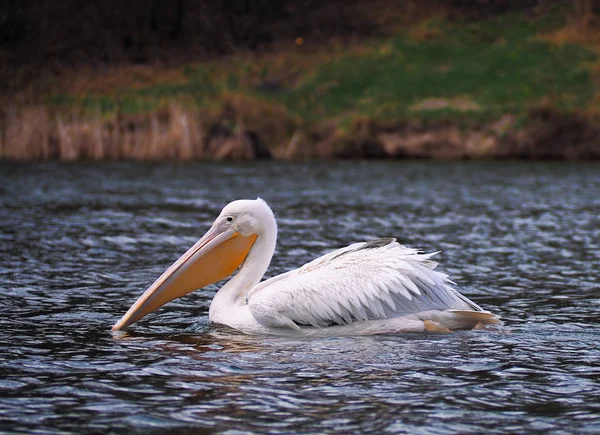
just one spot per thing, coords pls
(192, 79)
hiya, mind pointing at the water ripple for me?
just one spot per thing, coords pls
(80, 242)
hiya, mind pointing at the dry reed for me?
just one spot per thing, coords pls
(33, 133)
(174, 132)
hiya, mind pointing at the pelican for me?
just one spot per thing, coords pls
(374, 287)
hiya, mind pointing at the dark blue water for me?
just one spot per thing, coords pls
(79, 243)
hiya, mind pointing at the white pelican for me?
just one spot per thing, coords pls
(374, 287)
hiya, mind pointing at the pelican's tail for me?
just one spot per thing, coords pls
(442, 321)
(484, 317)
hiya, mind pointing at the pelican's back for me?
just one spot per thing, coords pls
(367, 281)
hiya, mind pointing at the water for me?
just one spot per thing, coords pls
(79, 243)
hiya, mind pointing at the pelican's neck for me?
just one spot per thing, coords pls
(255, 265)
(234, 292)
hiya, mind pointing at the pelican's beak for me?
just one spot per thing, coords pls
(215, 256)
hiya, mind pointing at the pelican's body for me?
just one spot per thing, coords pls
(375, 287)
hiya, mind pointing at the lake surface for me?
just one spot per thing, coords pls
(80, 242)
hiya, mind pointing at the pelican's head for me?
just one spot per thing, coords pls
(247, 216)
(215, 256)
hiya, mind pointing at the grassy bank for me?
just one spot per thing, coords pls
(498, 87)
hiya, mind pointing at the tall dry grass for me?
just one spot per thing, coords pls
(25, 134)
(34, 133)
(236, 130)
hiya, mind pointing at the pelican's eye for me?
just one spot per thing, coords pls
(229, 219)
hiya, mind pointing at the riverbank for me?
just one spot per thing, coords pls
(178, 134)
(507, 86)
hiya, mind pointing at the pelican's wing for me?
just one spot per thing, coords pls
(379, 279)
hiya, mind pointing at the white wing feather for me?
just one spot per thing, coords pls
(364, 281)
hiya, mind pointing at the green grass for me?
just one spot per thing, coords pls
(508, 73)
(501, 65)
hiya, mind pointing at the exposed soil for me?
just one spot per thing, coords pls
(179, 134)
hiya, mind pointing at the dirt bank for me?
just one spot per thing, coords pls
(34, 133)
